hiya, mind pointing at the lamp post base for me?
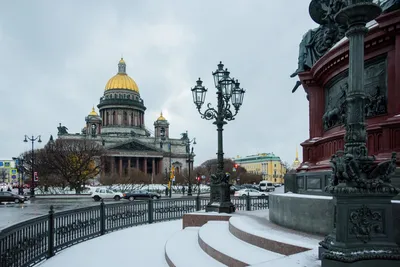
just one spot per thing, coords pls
(224, 207)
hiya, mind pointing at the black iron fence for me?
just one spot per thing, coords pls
(32, 241)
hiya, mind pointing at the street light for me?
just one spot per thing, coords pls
(189, 151)
(32, 139)
(228, 93)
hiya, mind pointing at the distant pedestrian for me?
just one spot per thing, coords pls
(9, 189)
(183, 190)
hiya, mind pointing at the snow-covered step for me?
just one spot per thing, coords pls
(271, 238)
(183, 250)
(216, 240)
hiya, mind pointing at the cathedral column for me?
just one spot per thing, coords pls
(137, 164)
(145, 165)
(120, 166)
(153, 167)
(103, 166)
(129, 166)
(160, 166)
(112, 165)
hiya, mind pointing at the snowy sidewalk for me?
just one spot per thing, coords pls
(139, 246)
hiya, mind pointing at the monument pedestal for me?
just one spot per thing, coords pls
(222, 204)
(363, 233)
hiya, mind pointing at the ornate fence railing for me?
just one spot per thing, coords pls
(30, 242)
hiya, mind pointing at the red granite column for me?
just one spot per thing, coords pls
(129, 166)
(103, 166)
(160, 166)
(145, 165)
(153, 167)
(112, 160)
(120, 166)
(137, 164)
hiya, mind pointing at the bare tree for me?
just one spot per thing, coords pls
(75, 161)
(4, 173)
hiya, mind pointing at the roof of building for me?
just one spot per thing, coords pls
(258, 158)
(93, 112)
(122, 80)
(161, 118)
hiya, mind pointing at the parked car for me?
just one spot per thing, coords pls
(235, 188)
(266, 186)
(102, 193)
(277, 185)
(11, 197)
(141, 194)
(250, 192)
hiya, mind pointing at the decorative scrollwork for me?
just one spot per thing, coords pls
(77, 225)
(126, 215)
(365, 222)
(209, 114)
(185, 208)
(13, 253)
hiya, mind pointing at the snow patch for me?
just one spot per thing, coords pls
(253, 227)
(302, 196)
(183, 250)
(216, 234)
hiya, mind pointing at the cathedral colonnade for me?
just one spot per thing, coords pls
(123, 165)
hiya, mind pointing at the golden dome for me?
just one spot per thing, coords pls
(161, 118)
(93, 112)
(122, 80)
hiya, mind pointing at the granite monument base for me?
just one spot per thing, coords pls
(364, 263)
(198, 219)
(363, 231)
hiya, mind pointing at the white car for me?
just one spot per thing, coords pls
(102, 193)
(250, 192)
(266, 186)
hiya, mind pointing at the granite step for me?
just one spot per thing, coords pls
(218, 242)
(183, 250)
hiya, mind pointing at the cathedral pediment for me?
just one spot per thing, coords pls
(133, 145)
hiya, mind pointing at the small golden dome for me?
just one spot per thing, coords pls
(93, 112)
(161, 118)
(122, 80)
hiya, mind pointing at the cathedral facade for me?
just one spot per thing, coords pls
(119, 126)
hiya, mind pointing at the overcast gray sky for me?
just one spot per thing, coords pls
(57, 56)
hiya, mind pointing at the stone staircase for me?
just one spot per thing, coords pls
(244, 240)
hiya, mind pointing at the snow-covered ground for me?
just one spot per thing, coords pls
(140, 246)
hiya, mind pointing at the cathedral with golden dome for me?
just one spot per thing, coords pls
(120, 127)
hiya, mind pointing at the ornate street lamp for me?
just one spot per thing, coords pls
(229, 94)
(32, 139)
(189, 151)
(361, 187)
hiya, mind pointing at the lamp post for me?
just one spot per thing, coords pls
(32, 139)
(189, 151)
(363, 232)
(229, 94)
(162, 142)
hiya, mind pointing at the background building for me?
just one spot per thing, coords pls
(8, 173)
(268, 165)
(120, 128)
(296, 162)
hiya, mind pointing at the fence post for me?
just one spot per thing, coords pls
(248, 202)
(197, 203)
(268, 201)
(150, 210)
(102, 218)
(50, 252)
